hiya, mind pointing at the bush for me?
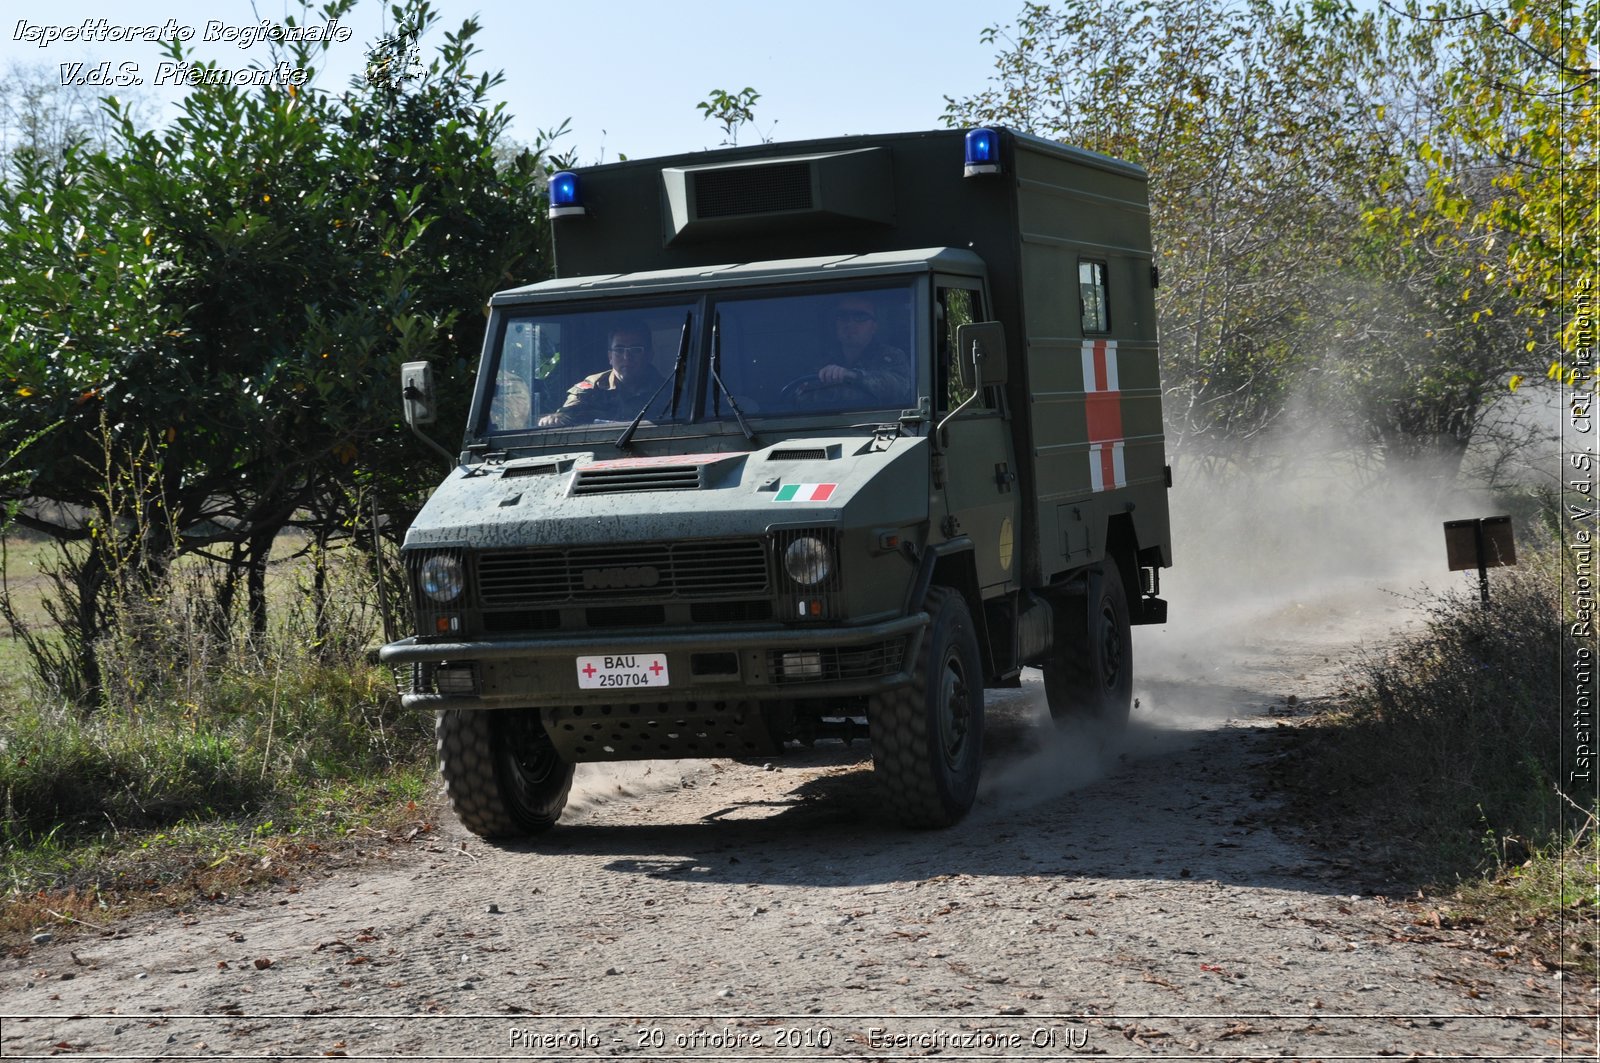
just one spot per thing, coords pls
(1447, 746)
(199, 720)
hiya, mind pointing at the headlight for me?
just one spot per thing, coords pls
(441, 578)
(807, 561)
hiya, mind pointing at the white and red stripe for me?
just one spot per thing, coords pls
(1102, 410)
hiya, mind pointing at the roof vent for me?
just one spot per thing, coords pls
(771, 195)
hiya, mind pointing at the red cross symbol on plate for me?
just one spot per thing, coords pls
(656, 667)
(588, 670)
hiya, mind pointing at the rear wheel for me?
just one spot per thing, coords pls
(927, 737)
(503, 776)
(1089, 675)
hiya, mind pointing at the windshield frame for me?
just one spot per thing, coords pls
(703, 301)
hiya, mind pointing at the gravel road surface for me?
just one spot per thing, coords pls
(1125, 897)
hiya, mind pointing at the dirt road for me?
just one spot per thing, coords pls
(1129, 899)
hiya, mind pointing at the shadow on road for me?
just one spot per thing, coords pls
(1175, 796)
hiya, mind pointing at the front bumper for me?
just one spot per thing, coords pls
(753, 665)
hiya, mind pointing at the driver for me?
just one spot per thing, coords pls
(863, 360)
(613, 394)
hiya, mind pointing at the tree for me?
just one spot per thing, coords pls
(1512, 168)
(222, 306)
(40, 116)
(1281, 144)
(1233, 113)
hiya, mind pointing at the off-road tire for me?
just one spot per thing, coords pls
(1089, 675)
(503, 776)
(927, 737)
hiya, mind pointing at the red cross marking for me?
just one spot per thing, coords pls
(656, 667)
(1102, 406)
(588, 670)
(1103, 410)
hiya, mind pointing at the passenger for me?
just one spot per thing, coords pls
(614, 394)
(863, 360)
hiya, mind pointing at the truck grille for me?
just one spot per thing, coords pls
(642, 571)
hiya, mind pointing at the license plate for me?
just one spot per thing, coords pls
(622, 671)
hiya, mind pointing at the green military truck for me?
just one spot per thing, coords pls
(804, 438)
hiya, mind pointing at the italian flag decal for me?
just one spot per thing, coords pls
(1102, 405)
(805, 492)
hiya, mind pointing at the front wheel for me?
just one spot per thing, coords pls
(501, 772)
(927, 738)
(1089, 674)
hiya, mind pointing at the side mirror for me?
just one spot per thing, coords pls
(981, 354)
(416, 393)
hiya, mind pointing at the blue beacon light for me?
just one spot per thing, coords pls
(983, 152)
(565, 199)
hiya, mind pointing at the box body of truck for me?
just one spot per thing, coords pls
(904, 439)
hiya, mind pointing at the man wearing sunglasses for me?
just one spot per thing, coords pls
(865, 362)
(613, 394)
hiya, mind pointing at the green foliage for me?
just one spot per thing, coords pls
(1512, 175)
(733, 110)
(1241, 116)
(195, 724)
(222, 306)
(1551, 902)
(16, 478)
(1288, 207)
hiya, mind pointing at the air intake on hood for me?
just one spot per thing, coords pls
(593, 480)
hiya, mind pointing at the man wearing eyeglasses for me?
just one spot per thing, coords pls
(613, 394)
(865, 362)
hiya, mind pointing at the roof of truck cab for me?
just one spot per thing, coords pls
(879, 263)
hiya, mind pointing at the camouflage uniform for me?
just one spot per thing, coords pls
(884, 372)
(602, 397)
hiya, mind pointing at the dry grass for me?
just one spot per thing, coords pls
(87, 886)
(212, 761)
(1440, 764)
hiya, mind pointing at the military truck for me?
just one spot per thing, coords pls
(772, 530)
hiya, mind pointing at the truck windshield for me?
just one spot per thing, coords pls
(793, 353)
(776, 354)
(563, 368)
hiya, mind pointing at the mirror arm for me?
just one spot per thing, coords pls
(977, 389)
(453, 459)
(951, 415)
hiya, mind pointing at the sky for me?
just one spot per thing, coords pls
(626, 74)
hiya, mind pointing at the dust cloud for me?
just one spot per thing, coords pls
(1289, 556)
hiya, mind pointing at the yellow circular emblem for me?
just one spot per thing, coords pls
(1005, 544)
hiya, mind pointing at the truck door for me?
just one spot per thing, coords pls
(979, 469)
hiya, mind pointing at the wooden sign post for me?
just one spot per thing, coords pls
(1479, 543)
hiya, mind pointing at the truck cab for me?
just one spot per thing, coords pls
(804, 441)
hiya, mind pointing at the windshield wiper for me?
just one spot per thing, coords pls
(677, 386)
(716, 375)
